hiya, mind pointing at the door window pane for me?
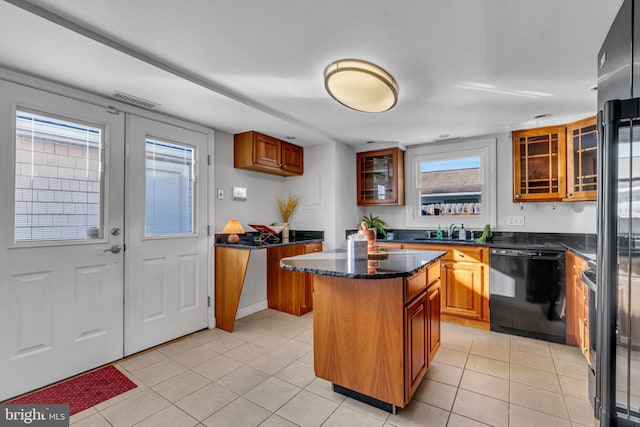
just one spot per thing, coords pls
(58, 179)
(169, 188)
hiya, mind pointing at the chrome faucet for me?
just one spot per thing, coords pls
(452, 229)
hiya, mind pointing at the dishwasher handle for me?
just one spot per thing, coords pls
(526, 253)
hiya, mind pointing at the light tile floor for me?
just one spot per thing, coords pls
(262, 374)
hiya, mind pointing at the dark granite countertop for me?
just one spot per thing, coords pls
(583, 245)
(401, 263)
(248, 240)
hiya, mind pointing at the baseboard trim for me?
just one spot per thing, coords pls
(253, 308)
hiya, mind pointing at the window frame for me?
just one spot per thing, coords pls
(485, 149)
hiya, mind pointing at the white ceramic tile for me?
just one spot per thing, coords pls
(307, 409)
(533, 360)
(324, 388)
(217, 367)
(195, 356)
(524, 417)
(451, 357)
(246, 352)
(579, 371)
(135, 409)
(205, 401)
(456, 420)
(444, 373)
(242, 379)
(419, 414)
(538, 400)
(142, 360)
(482, 408)
(181, 385)
(297, 373)
(580, 411)
(224, 343)
(535, 377)
(239, 413)
(94, 420)
(485, 365)
(436, 394)
(485, 384)
(272, 393)
(574, 388)
(158, 372)
(178, 346)
(345, 416)
(171, 416)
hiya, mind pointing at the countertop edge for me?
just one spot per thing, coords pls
(365, 276)
(274, 245)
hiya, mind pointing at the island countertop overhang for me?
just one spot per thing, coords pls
(400, 263)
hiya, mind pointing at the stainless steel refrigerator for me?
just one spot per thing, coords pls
(616, 356)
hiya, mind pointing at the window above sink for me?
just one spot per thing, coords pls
(452, 182)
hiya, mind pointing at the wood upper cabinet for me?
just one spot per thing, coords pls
(289, 291)
(556, 163)
(582, 160)
(539, 164)
(263, 153)
(380, 177)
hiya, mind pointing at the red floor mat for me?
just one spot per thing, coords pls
(82, 392)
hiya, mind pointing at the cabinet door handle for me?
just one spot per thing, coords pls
(517, 196)
(569, 194)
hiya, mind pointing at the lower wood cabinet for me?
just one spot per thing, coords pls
(422, 334)
(416, 330)
(577, 292)
(289, 291)
(462, 289)
(464, 283)
(377, 337)
(433, 319)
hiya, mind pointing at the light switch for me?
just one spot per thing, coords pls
(220, 193)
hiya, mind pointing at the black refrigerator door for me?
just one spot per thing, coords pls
(614, 58)
(617, 399)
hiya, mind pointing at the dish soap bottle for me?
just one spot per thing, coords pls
(462, 235)
(439, 232)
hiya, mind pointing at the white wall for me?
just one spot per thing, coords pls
(328, 190)
(262, 189)
(567, 217)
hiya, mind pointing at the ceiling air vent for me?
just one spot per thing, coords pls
(134, 100)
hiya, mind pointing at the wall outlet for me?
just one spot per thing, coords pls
(517, 220)
(220, 193)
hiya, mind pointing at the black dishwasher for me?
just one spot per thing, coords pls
(527, 293)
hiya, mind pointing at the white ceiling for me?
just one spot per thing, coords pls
(463, 67)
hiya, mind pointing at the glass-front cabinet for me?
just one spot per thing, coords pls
(539, 162)
(380, 177)
(582, 160)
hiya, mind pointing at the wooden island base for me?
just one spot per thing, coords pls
(376, 337)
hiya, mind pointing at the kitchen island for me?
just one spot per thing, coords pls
(376, 324)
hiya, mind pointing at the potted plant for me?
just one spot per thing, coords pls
(375, 223)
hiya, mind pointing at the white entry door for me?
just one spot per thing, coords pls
(61, 273)
(166, 240)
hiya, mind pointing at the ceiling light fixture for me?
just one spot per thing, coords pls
(361, 85)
